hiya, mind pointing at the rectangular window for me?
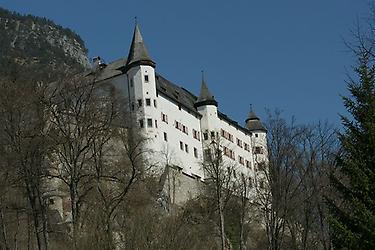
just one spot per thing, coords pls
(164, 118)
(181, 145)
(205, 136)
(195, 152)
(165, 137)
(184, 129)
(131, 83)
(156, 123)
(256, 135)
(207, 154)
(149, 123)
(240, 159)
(257, 150)
(186, 148)
(248, 164)
(239, 143)
(141, 123)
(231, 137)
(146, 78)
(154, 103)
(212, 134)
(196, 135)
(233, 156)
(247, 147)
(148, 102)
(139, 102)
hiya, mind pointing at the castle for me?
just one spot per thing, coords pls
(179, 124)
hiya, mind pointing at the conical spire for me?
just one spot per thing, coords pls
(205, 96)
(138, 52)
(253, 122)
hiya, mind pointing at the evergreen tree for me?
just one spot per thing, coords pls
(352, 218)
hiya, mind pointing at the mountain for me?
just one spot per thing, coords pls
(35, 45)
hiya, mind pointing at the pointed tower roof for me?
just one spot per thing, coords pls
(253, 122)
(138, 52)
(205, 96)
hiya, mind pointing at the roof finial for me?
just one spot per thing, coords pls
(135, 20)
(251, 107)
(202, 72)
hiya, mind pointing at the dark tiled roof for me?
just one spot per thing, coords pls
(111, 70)
(138, 52)
(176, 94)
(253, 122)
(233, 123)
(205, 96)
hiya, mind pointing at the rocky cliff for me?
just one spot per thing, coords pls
(27, 41)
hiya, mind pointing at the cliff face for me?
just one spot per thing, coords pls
(30, 41)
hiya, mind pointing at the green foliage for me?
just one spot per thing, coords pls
(352, 213)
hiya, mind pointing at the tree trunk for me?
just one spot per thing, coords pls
(222, 228)
(4, 230)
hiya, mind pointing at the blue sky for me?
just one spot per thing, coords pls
(286, 54)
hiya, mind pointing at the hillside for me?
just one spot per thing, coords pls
(34, 44)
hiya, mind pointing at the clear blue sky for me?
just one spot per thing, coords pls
(285, 54)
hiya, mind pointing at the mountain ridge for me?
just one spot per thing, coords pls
(30, 42)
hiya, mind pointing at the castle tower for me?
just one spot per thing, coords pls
(206, 105)
(140, 74)
(259, 136)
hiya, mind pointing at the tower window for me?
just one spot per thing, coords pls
(165, 137)
(148, 102)
(154, 103)
(181, 145)
(156, 123)
(256, 135)
(149, 122)
(205, 136)
(131, 83)
(195, 152)
(146, 78)
(141, 123)
(186, 148)
(139, 102)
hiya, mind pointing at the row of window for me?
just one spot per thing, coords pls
(230, 153)
(149, 123)
(226, 135)
(181, 127)
(184, 146)
(229, 137)
(147, 103)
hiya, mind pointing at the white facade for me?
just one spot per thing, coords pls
(177, 128)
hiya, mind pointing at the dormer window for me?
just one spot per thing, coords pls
(146, 78)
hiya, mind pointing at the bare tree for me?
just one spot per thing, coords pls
(219, 174)
(295, 180)
(24, 146)
(81, 116)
